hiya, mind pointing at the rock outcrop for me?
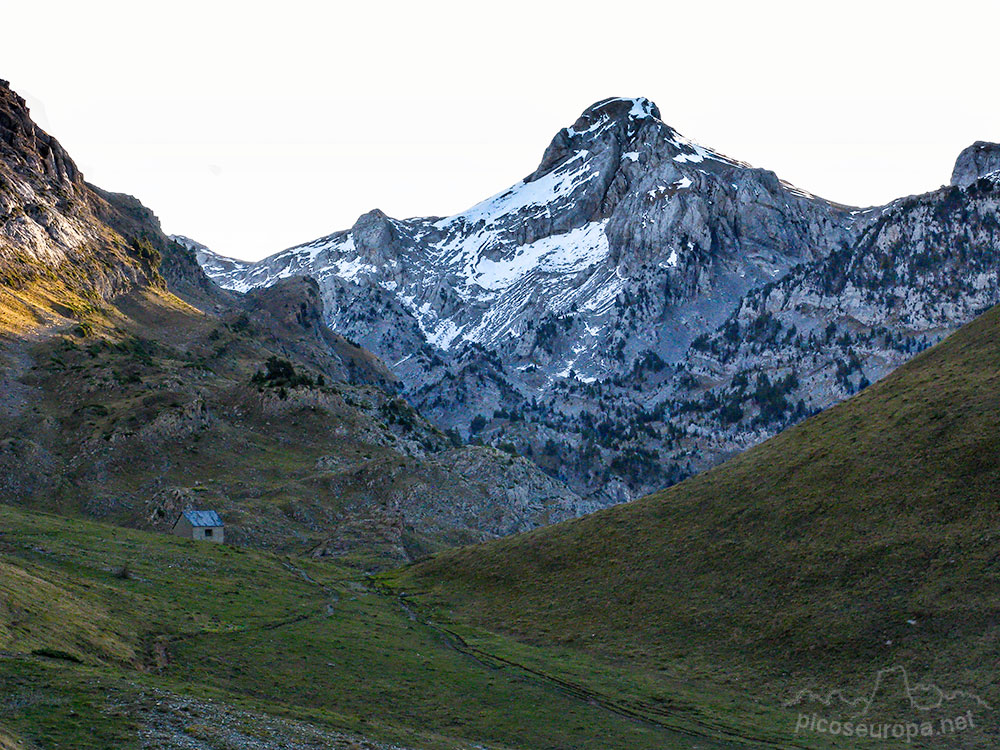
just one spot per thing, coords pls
(48, 222)
(981, 159)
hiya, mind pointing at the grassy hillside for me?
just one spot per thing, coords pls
(131, 411)
(111, 637)
(867, 537)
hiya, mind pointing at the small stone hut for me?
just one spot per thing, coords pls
(200, 524)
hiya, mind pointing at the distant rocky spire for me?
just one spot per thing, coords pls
(978, 160)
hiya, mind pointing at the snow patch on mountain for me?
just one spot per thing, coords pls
(570, 252)
(540, 196)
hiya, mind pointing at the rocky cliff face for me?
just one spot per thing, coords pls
(48, 222)
(640, 307)
(921, 267)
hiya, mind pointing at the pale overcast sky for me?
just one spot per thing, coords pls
(251, 127)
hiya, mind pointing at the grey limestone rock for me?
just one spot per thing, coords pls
(978, 160)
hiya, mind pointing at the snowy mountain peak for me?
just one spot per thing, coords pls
(605, 127)
(619, 108)
(622, 208)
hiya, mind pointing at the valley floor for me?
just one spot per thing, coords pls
(127, 639)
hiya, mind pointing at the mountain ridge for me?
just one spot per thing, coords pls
(580, 314)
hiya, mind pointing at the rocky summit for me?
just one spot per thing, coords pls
(979, 160)
(640, 307)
